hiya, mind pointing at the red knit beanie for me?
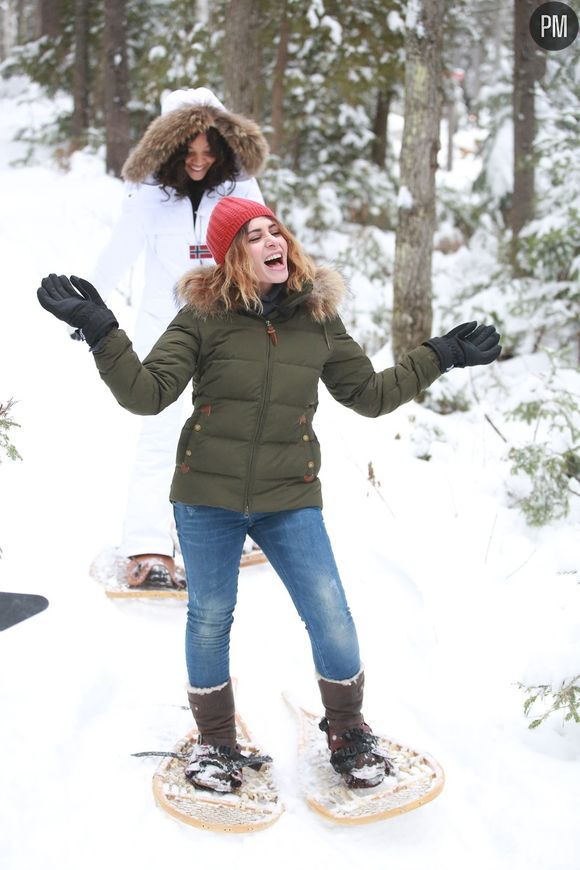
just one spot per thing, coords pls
(228, 216)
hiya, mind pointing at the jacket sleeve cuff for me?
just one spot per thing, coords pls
(98, 345)
(443, 352)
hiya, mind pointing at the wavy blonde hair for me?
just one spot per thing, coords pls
(236, 283)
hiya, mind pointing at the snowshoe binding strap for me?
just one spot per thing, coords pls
(219, 768)
(355, 756)
(152, 571)
(254, 762)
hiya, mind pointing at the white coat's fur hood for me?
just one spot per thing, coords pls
(328, 290)
(168, 132)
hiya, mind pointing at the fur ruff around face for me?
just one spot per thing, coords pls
(322, 303)
(166, 133)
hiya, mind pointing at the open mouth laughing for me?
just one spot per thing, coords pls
(275, 261)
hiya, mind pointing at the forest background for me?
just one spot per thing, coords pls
(329, 83)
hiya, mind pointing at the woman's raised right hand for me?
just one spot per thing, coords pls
(78, 304)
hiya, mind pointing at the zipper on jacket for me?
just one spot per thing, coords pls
(271, 330)
(196, 224)
(258, 429)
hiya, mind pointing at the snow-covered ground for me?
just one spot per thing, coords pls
(455, 599)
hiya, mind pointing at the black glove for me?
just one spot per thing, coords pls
(79, 306)
(466, 345)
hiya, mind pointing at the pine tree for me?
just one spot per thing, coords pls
(6, 424)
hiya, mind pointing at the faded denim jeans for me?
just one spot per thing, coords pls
(298, 548)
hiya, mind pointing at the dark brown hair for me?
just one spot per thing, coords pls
(172, 173)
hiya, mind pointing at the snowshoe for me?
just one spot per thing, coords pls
(252, 806)
(110, 569)
(416, 778)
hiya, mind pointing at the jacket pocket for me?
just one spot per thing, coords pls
(184, 438)
(310, 448)
(193, 428)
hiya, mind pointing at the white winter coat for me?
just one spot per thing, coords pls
(161, 225)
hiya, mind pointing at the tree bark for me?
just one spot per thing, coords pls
(241, 66)
(28, 22)
(276, 146)
(80, 121)
(529, 63)
(412, 303)
(8, 28)
(450, 112)
(116, 87)
(48, 18)
(380, 126)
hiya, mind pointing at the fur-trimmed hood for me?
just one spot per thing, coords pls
(168, 132)
(322, 301)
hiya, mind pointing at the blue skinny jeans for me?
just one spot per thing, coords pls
(298, 548)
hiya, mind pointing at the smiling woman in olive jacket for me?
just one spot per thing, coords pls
(257, 332)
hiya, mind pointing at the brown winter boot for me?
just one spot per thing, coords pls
(214, 712)
(213, 764)
(352, 744)
(216, 761)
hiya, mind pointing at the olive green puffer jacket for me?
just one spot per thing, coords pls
(249, 444)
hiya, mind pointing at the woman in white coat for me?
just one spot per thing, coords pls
(195, 153)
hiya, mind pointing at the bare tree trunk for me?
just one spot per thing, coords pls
(451, 116)
(412, 304)
(296, 151)
(8, 28)
(241, 68)
(529, 65)
(48, 18)
(28, 22)
(278, 83)
(498, 34)
(116, 86)
(473, 91)
(80, 121)
(379, 148)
